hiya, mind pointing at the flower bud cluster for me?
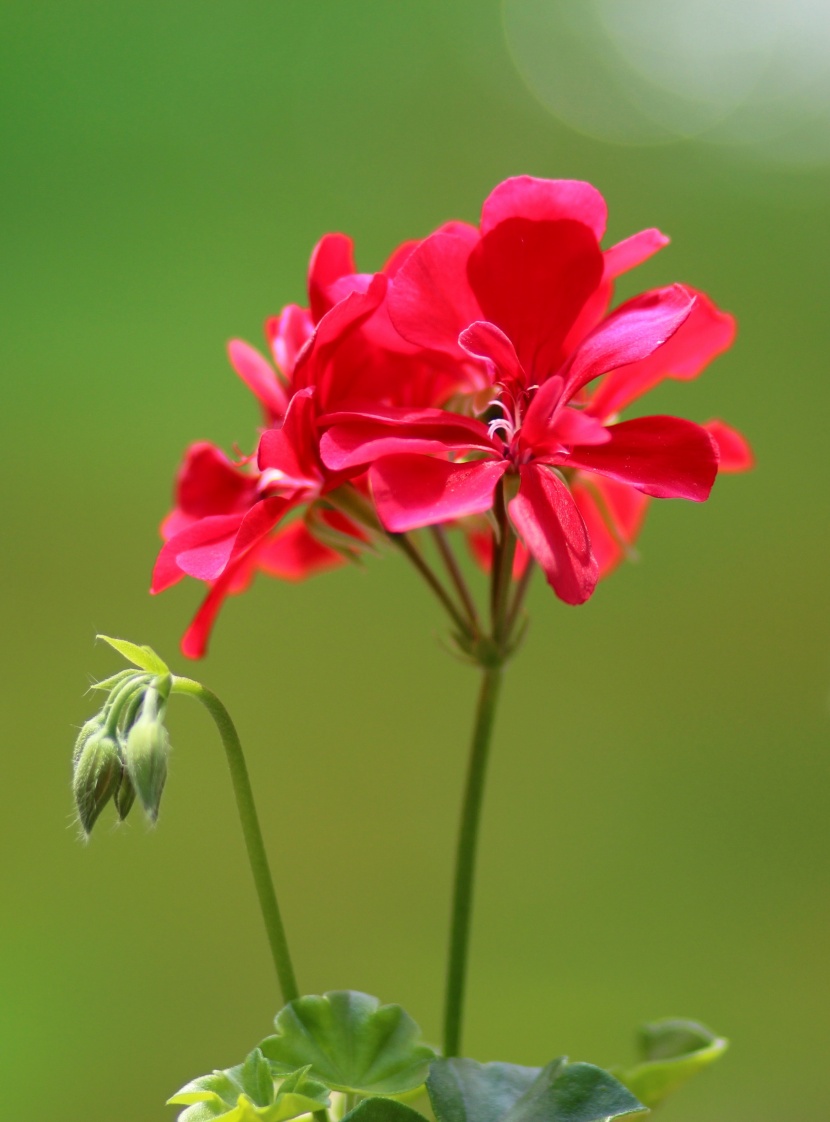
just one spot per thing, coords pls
(121, 753)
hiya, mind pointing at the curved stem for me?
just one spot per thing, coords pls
(466, 857)
(257, 857)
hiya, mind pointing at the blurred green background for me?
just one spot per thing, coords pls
(655, 839)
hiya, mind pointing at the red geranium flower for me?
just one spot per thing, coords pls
(526, 295)
(341, 351)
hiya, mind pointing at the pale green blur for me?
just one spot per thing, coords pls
(655, 837)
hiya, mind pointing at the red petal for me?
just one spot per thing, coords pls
(195, 640)
(210, 559)
(315, 364)
(430, 300)
(484, 341)
(629, 334)
(287, 334)
(704, 335)
(293, 449)
(633, 251)
(532, 280)
(398, 257)
(606, 549)
(734, 452)
(667, 457)
(545, 200)
(602, 501)
(332, 258)
(216, 533)
(361, 438)
(550, 525)
(258, 376)
(412, 491)
(572, 426)
(294, 554)
(209, 483)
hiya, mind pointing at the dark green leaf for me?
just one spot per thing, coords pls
(564, 1092)
(465, 1091)
(672, 1051)
(351, 1043)
(383, 1110)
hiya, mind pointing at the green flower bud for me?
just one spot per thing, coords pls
(124, 797)
(92, 727)
(96, 777)
(145, 755)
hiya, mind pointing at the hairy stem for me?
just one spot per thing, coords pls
(257, 857)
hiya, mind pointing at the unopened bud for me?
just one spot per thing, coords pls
(92, 728)
(124, 797)
(145, 755)
(96, 777)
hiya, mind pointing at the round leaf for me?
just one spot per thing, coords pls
(462, 1090)
(351, 1043)
(577, 1092)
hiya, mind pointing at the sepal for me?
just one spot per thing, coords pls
(145, 658)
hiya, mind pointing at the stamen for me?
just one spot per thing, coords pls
(503, 424)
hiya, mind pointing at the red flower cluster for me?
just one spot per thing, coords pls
(476, 356)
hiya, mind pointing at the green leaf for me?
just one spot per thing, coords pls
(464, 1091)
(256, 1079)
(577, 1092)
(383, 1110)
(672, 1051)
(217, 1092)
(143, 657)
(298, 1094)
(351, 1043)
(246, 1093)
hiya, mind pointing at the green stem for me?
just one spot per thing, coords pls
(466, 857)
(257, 857)
(415, 556)
(456, 576)
(519, 597)
(502, 569)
